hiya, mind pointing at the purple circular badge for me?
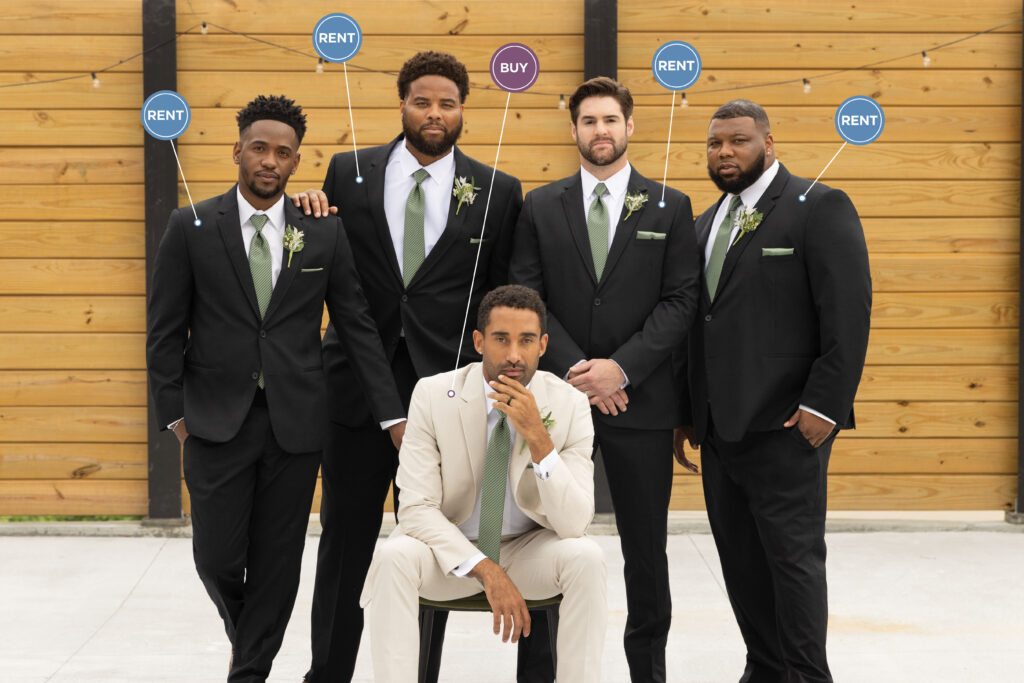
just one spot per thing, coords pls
(514, 67)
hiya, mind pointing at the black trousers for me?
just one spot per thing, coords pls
(639, 468)
(250, 510)
(766, 499)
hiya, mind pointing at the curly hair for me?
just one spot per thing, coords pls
(602, 86)
(275, 108)
(432, 63)
(512, 296)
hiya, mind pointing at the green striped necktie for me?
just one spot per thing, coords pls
(714, 269)
(260, 267)
(414, 248)
(492, 492)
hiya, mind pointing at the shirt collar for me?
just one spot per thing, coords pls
(752, 195)
(616, 185)
(275, 214)
(444, 166)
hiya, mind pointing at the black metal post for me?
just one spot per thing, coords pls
(1016, 516)
(600, 38)
(160, 72)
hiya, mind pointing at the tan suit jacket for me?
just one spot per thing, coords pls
(441, 463)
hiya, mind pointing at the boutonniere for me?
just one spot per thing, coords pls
(634, 201)
(463, 191)
(292, 242)
(748, 219)
(548, 423)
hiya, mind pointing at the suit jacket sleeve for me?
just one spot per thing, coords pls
(670, 321)
(419, 479)
(567, 496)
(170, 299)
(350, 314)
(497, 274)
(527, 269)
(836, 259)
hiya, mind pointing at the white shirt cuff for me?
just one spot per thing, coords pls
(175, 423)
(390, 423)
(466, 567)
(545, 467)
(826, 418)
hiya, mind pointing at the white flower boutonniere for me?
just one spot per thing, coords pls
(548, 423)
(292, 242)
(748, 219)
(463, 191)
(634, 201)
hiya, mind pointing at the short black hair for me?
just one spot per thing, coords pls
(432, 63)
(602, 86)
(511, 296)
(274, 108)
(736, 109)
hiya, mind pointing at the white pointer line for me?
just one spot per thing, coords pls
(352, 124)
(668, 146)
(804, 195)
(479, 245)
(185, 183)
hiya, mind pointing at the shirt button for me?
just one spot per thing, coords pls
(707, 318)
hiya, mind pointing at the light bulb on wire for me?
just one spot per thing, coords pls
(683, 102)
(925, 59)
(95, 80)
(561, 102)
(204, 29)
(320, 65)
(807, 86)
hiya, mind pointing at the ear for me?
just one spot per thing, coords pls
(478, 341)
(629, 127)
(236, 153)
(543, 343)
(572, 130)
(769, 150)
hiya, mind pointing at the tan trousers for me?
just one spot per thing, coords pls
(539, 563)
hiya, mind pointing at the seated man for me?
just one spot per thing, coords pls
(473, 515)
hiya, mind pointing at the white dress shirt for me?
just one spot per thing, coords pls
(273, 231)
(437, 192)
(748, 197)
(513, 520)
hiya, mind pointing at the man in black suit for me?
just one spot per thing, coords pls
(620, 276)
(416, 267)
(236, 370)
(774, 364)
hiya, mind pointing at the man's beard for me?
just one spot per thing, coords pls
(266, 194)
(745, 179)
(615, 155)
(425, 146)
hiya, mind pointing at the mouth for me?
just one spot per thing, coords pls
(434, 129)
(728, 169)
(513, 372)
(268, 177)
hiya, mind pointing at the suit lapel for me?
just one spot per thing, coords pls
(572, 204)
(453, 226)
(294, 218)
(231, 233)
(765, 206)
(474, 429)
(374, 188)
(626, 232)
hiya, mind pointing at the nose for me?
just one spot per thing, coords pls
(513, 356)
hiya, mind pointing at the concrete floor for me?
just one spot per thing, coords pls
(905, 606)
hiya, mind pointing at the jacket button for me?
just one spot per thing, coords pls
(707, 318)
(405, 298)
(255, 376)
(597, 302)
(263, 334)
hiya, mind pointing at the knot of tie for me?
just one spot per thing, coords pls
(259, 220)
(420, 175)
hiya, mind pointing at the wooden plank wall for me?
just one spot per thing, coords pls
(938, 194)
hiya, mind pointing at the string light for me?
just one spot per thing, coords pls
(320, 65)
(561, 102)
(925, 59)
(204, 29)
(807, 86)
(683, 102)
(95, 80)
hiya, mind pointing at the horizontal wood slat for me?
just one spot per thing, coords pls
(72, 313)
(73, 461)
(73, 388)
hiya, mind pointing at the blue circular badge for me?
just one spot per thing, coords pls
(165, 115)
(337, 37)
(860, 120)
(676, 65)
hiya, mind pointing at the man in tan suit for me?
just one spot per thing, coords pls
(497, 493)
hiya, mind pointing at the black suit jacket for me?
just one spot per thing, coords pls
(431, 309)
(641, 309)
(206, 343)
(783, 330)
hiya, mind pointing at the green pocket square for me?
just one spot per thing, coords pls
(644, 235)
(776, 251)
(477, 240)
(311, 270)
